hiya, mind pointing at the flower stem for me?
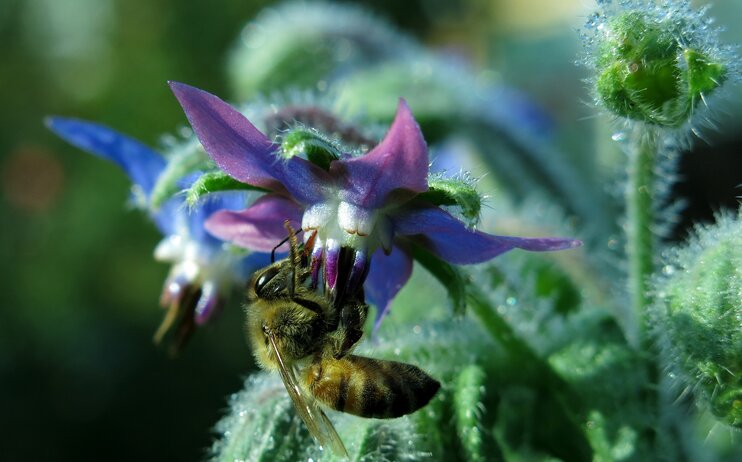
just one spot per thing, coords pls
(643, 149)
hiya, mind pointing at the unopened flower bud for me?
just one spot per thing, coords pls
(699, 317)
(653, 63)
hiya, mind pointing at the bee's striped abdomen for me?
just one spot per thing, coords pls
(370, 387)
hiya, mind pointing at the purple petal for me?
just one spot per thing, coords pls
(316, 262)
(210, 204)
(142, 164)
(243, 151)
(259, 227)
(386, 277)
(359, 271)
(400, 161)
(451, 240)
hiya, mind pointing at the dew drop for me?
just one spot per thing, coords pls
(185, 132)
(618, 136)
(668, 270)
(512, 301)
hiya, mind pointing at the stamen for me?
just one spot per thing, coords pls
(359, 271)
(332, 255)
(316, 262)
(173, 289)
(208, 304)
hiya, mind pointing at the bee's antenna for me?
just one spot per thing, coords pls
(273, 252)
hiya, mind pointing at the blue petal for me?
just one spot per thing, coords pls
(450, 240)
(168, 216)
(388, 274)
(142, 164)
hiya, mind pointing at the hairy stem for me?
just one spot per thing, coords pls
(640, 215)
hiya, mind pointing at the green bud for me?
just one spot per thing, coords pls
(654, 65)
(698, 317)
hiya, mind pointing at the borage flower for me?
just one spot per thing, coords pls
(353, 209)
(203, 271)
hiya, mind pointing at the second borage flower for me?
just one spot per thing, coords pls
(353, 209)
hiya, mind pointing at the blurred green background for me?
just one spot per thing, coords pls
(79, 375)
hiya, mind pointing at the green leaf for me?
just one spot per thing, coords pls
(262, 425)
(477, 443)
(452, 279)
(300, 45)
(216, 181)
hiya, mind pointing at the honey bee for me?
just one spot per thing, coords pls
(308, 339)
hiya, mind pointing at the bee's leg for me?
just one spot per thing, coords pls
(349, 330)
(294, 257)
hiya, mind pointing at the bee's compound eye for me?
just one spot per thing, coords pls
(265, 278)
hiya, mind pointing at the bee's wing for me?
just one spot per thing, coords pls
(315, 419)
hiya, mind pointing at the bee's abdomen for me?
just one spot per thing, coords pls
(370, 387)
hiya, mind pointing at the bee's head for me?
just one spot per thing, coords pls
(275, 281)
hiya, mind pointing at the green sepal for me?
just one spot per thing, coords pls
(457, 192)
(704, 75)
(318, 149)
(448, 275)
(216, 181)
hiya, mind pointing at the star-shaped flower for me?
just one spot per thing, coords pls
(370, 204)
(203, 271)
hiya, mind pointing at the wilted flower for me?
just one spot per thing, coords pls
(353, 209)
(203, 270)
